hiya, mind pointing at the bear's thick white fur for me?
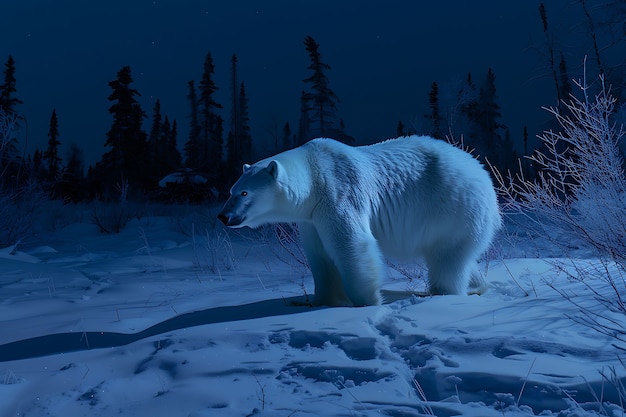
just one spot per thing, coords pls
(407, 198)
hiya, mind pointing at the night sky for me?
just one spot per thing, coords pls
(384, 58)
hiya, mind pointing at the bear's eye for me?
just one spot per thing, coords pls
(244, 193)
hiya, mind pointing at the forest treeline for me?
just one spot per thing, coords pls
(144, 153)
(150, 162)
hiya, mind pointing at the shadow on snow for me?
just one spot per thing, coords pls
(70, 342)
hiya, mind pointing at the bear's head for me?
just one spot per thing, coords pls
(256, 198)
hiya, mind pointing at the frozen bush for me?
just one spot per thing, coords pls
(580, 196)
(581, 187)
(19, 201)
(8, 125)
(8, 122)
(111, 217)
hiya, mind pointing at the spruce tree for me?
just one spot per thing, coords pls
(565, 86)
(498, 149)
(10, 160)
(287, 143)
(171, 154)
(469, 112)
(163, 152)
(75, 166)
(234, 145)
(239, 139)
(435, 114)
(126, 159)
(164, 140)
(304, 125)
(155, 151)
(51, 156)
(550, 44)
(38, 169)
(8, 88)
(211, 124)
(244, 125)
(320, 101)
(507, 157)
(72, 182)
(193, 148)
(400, 132)
(489, 118)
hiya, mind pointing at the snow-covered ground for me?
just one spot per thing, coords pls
(166, 319)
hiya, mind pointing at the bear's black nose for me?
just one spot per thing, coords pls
(223, 218)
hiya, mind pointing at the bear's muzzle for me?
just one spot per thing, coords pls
(230, 220)
(223, 218)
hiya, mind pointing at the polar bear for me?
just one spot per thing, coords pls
(403, 198)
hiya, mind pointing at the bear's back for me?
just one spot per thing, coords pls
(429, 191)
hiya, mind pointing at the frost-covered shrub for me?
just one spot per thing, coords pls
(18, 211)
(580, 196)
(290, 251)
(220, 249)
(111, 217)
(8, 124)
(581, 189)
(19, 201)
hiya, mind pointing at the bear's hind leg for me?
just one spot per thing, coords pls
(328, 288)
(477, 284)
(449, 272)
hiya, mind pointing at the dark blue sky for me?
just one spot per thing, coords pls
(384, 57)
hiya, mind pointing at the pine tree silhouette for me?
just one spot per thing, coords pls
(489, 117)
(11, 162)
(233, 142)
(38, 169)
(211, 124)
(163, 154)
(239, 141)
(550, 44)
(193, 148)
(435, 115)
(244, 125)
(318, 106)
(565, 85)
(72, 184)
(8, 88)
(304, 125)
(126, 159)
(468, 108)
(171, 160)
(287, 141)
(51, 156)
(154, 145)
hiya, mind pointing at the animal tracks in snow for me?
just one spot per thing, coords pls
(399, 359)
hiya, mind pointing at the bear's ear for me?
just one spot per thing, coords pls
(246, 167)
(272, 168)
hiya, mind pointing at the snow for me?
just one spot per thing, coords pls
(166, 319)
(182, 177)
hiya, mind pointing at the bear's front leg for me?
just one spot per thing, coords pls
(359, 261)
(328, 284)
